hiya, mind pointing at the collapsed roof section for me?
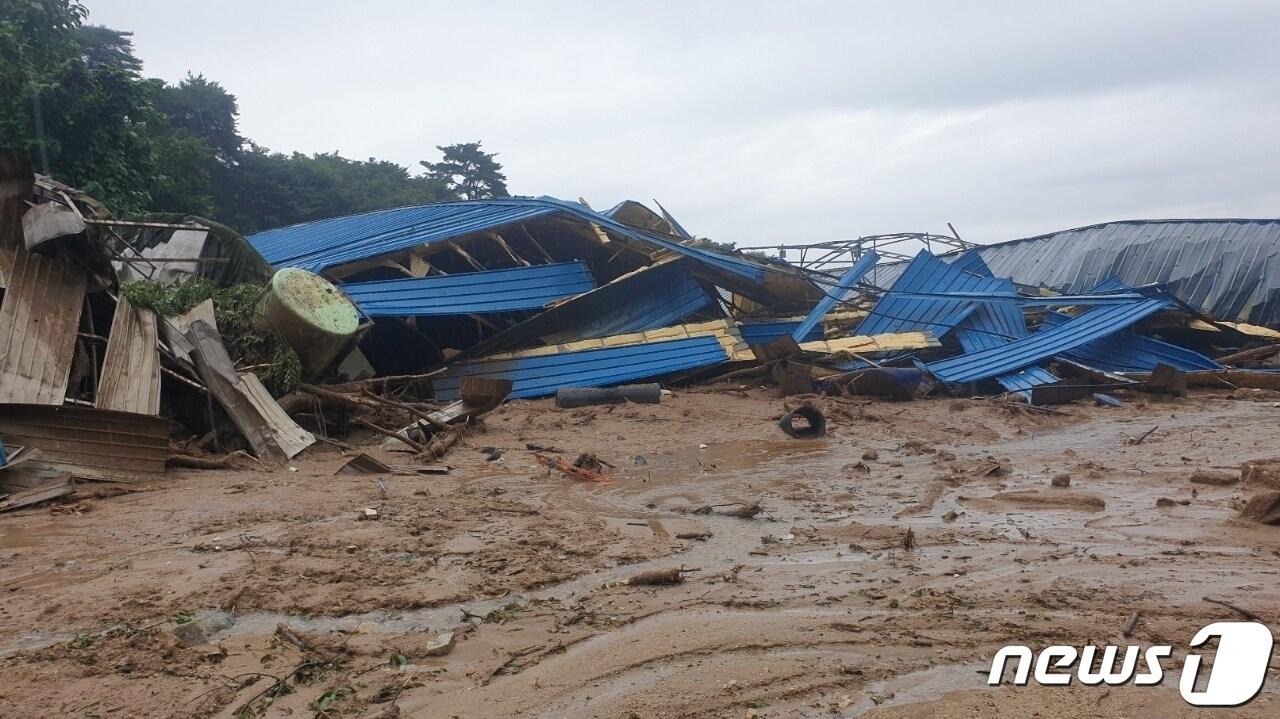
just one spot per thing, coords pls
(527, 230)
(1227, 268)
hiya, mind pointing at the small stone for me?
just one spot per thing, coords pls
(441, 645)
(368, 513)
(950, 516)
(1165, 502)
(1061, 480)
(1220, 479)
(871, 455)
(189, 635)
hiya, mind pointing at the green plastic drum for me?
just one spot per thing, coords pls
(312, 315)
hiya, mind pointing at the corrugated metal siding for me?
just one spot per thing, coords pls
(131, 369)
(1026, 378)
(762, 333)
(1228, 268)
(1024, 352)
(836, 294)
(927, 274)
(89, 442)
(1129, 352)
(520, 288)
(655, 297)
(317, 246)
(38, 323)
(540, 376)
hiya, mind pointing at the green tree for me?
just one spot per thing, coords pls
(206, 110)
(36, 46)
(468, 171)
(101, 46)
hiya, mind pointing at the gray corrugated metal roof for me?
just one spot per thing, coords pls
(1228, 268)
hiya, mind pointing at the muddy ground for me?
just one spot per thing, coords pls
(192, 596)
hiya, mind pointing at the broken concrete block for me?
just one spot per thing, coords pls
(441, 645)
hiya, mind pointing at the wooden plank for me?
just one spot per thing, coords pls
(874, 343)
(219, 374)
(38, 323)
(131, 369)
(287, 435)
(36, 496)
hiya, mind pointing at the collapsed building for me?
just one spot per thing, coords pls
(411, 322)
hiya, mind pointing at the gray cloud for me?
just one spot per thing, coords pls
(761, 123)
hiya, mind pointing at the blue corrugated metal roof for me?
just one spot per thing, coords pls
(319, 245)
(971, 261)
(762, 333)
(1127, 351)
(1091, 298)
(657, 296)
(1026, 351)
(926, 274)
(542, 375)
(517, 288)
(1026, 378)
(836, 294)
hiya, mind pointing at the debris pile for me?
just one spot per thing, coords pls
(126, 346)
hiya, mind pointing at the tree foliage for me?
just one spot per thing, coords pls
(73, 97)
(103, 47)
(468, 171)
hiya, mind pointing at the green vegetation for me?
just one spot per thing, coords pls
(275, 363)
(73, 97)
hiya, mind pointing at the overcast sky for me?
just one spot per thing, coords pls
(767, 122)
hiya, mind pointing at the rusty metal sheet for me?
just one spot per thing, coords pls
(90, 443)
(38, 323)
(131, 369)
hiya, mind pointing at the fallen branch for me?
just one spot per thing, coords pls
(1256, 353)
(560, 465)
(675, 575)
(1144, 436)
(389, 433)
(745, 511)
(1238, 610)
(1130, 625)
(227, 461)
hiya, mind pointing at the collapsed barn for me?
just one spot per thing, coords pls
(412, 322)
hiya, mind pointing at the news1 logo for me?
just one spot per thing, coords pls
(1239, 666)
